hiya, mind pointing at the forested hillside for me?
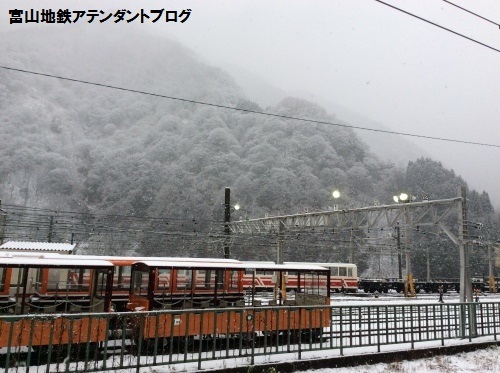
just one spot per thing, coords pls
(92, 149)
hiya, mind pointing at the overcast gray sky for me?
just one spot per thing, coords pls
(397, 70)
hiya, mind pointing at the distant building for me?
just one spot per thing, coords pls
(46, 247)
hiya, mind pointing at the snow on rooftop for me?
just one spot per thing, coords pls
(65, 262)
(38, 246)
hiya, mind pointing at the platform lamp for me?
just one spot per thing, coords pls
(335, 195)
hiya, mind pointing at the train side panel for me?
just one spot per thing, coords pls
(211, 322)
(60, 330)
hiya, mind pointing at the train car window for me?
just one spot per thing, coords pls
(184, 279)
(15, 282)
(334, 271)
(16, 277)
(220, 279)
(264, 272)
(65, 279)
(342, 271)
(163, 279)
(100, 289)
(58, 279)
(140, 283)
(121, 278)
(39, 279)
(349, 272)
(233, 280)
(2, 278)
(313, 283)
(205, 279)
(78, 279)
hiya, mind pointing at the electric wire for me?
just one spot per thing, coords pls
(274, 115)
(468, 11)
(437, 25)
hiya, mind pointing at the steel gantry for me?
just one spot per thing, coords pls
(404, 215)
(426, 213)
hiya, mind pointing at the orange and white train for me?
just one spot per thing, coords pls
(343, 277)
(82, 294)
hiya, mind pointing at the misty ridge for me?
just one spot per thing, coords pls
(76, 147)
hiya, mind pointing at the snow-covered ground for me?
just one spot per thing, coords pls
(482, 360)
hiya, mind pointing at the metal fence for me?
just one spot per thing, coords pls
(60, 343)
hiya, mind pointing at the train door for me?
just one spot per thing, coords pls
(163, 289)
(100, 301)
(139, 300)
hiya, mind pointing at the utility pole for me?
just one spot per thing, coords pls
(227, 220)
(3, 223)
(428, 264)
(351, 247)
(465, 279)
(398, 243)
(281, 242)
(491, 267)
(51, 226)
(409, 285)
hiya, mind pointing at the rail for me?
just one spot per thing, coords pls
(196, 336)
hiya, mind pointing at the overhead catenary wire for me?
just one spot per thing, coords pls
(112, 226)
(274, 115)
(51, 212)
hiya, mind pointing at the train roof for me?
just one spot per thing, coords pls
(325, 264)
(194, 264)
(242, 265)
(52, 262)
(286, 266)
(132, 259)
(116, 260)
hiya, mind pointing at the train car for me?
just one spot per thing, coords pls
(160, 284)
(30, 285)
(121, 278)
(199, 298)
(202, 298)
(343, 276)
(123, 268)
